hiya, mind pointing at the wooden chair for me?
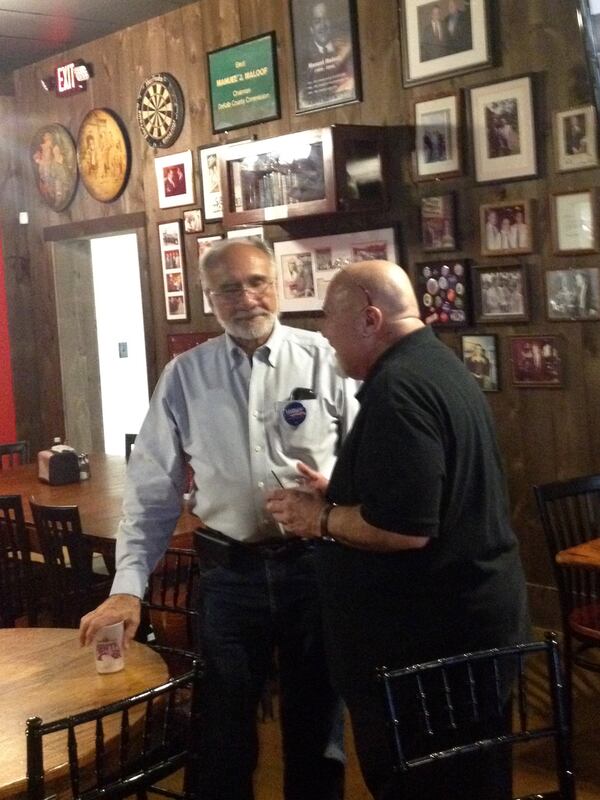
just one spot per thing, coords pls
(442, 711)
(11, 455)
(170, 612)
(129, 442)
(570, 514)
(16, 574)
(156, 736)
(74, 587)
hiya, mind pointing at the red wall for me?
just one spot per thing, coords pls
(8, 428)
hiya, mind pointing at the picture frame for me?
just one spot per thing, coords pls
(326, 54)
(576, 139)
(462, 42)
(210, 178)
(537, 361)
(480, 356)
(203, 243)
(192, 220)
(437, 138)
(243, 83)
(172, 258)
(574, 226)
(573, 294)
(257, 232)
(175, 179)
(500, 293)
(442, 289)
(506, 228)
(305, 267)
(438, 223)
(503, 128)
(54, 161)
(588, 13)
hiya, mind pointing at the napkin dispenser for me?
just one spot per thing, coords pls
(58, 468)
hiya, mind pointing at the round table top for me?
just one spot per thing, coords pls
(45, 673)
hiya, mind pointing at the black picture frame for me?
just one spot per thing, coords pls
(443, 292)
(572, 294)
(537, 361)
(327, 73)
(500, 293)
(479, 353)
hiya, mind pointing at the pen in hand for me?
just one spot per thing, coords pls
(274, 474)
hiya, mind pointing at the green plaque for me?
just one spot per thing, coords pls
(243, 83)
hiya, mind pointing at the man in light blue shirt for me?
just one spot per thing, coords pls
(237, 409)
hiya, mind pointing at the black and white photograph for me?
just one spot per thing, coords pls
(505, 228)
(326, 53)
(443, 38)
(437, 137)
(500, 294)
(192, 220)
(480, 356)
(573, 294)
(576, 139)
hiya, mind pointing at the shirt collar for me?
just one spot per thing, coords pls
(410, 341)
(269, 351)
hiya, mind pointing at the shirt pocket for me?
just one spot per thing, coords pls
(303, 425)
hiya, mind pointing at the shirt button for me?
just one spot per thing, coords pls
(257, 449)
(261, 484)
(255, 414)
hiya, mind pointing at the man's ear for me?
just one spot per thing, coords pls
(373, 319)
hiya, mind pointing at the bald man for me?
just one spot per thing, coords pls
(419, 560)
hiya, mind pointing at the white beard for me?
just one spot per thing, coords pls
(255, 327)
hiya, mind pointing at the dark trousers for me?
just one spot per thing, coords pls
(251, 610)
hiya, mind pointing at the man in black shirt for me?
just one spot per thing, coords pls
(424, 563)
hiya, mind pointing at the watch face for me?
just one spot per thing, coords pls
(160, 109)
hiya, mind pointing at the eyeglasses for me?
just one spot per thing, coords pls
(256, 286)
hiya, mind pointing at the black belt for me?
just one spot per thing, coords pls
(214, 546)
(275, 549)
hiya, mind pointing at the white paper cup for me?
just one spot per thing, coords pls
(108, 648)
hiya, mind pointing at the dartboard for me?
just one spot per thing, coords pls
(160, 109)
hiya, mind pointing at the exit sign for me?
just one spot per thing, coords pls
(71, 78)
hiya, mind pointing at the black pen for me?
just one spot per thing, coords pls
(274, 474)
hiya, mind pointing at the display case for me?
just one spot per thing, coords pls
(320, 171)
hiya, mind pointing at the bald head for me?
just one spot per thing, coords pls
(382, 283)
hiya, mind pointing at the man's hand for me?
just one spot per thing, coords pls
(313, 480)
(117, 607)
(299, 512)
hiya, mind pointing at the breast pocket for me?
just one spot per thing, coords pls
(304, 426)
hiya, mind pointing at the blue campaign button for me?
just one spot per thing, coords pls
(294, 414)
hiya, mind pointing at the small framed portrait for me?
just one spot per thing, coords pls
(574, 226)
(500, 294)
(576, 139)
(503, 125)
(505, 228)
(326, 53)
(480, 356)
(438, 223)
(204, 243)
(192, 220)
(573, 294)
(443, 38)
(175, 179)
(442, 292)
(437, 142)
(537, 361)
(172, 257)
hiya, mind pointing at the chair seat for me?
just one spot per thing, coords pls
(585, 621)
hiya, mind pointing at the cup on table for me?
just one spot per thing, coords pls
(108, 648)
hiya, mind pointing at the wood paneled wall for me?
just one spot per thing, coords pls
(544, 434)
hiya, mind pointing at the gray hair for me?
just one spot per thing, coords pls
(213, 255)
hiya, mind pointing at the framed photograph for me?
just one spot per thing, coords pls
(54, 161)
(192, 220)
(246, 233)
(442, 292)
(175, 179)
(204, 242)
(172, 253)
(536, 361)
(103, 154)
(505, 228)
(573, 294)
(480, 356)
(306, 266)
(503, 126)
(573, 222)
(437, 138)
(210, 178)
(443, 38)
(438, 223)
(243, 83)
(576, 139)
(326, 53)
(500, 294)
(588, 12)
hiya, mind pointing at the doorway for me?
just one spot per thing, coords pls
(101, 341)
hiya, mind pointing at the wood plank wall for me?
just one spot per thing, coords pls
(544, 434)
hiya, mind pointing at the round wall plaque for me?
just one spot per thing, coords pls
(54, 165)
(103, 155)
(160, 109)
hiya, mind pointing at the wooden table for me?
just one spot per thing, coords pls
(99, 499)
(44, 672)
(582, 555)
